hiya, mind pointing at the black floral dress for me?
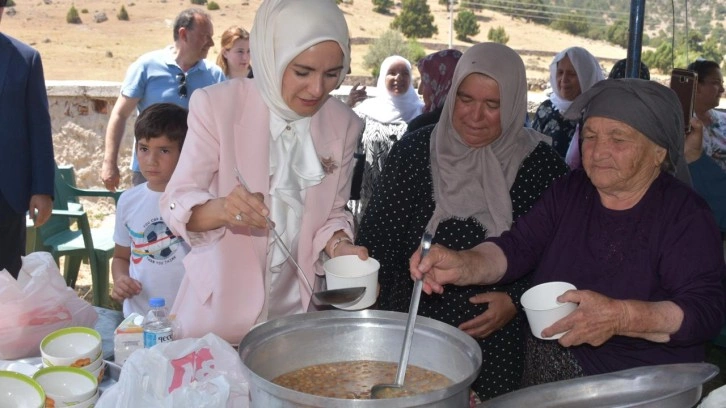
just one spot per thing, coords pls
(400, 208)
(549, 121)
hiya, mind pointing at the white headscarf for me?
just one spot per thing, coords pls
(588, 73)
(387, 107)
(282, 30)
(475, 182)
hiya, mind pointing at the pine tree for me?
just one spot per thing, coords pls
(415, 20)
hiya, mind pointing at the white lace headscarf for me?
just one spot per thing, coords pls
(388, 107)
(283, 29)
(588, 73)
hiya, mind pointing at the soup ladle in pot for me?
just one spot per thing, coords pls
(381, 391)
(324, 297)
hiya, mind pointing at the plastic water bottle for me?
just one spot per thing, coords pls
(157, 327)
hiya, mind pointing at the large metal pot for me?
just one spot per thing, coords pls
(283, 345)
(660, 386)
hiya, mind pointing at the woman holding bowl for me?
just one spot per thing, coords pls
(282, 135)
(627, 230)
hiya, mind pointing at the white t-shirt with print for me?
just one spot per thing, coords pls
(156, 253)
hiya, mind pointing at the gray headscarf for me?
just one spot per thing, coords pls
(475, 182)
(647, 106)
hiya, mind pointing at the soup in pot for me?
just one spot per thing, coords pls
(354, 379)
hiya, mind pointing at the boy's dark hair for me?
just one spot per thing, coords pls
(162, 119)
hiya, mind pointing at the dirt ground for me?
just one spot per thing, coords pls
(103, 51)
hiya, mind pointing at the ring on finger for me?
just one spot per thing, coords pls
(238, 217)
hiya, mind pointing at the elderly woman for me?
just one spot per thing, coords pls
(386, 117)
(436, 71)
(572, 72)
(640, 246)
(284, 137)
(467, 178)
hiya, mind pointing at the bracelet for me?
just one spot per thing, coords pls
(337, 242)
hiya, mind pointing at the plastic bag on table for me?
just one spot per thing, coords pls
(193, 373)
(36, 304)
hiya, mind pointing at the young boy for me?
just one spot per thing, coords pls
(147, 260)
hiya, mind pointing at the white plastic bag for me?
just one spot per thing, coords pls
(193, 373)
(36, 304)
(715, 399)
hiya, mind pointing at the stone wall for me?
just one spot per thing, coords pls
(79, 112)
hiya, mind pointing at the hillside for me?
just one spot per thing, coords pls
(103, 51)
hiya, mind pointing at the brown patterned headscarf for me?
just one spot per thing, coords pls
(475, 182)
(436, 71)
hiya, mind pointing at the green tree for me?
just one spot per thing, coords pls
(618, 33)
(415, 20)
(72, 17)
(465, 25)
(382, 6)
(123, 15)
(498, 35)
(572, 23)
(390, 43)
(212, 5)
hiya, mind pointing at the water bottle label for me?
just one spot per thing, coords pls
(151, 339)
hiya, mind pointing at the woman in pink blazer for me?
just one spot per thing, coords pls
(293, 146)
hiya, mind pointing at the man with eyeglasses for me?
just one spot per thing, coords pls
(26, 147)
(167, 75)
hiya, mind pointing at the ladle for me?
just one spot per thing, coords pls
(324, 297)
(381, 391)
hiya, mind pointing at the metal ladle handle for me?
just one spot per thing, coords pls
(278, 239)
(412, 312)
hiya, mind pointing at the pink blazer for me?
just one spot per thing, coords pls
(223, 288)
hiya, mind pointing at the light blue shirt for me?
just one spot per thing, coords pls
(154, 78)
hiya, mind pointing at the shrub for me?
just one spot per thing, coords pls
(72, 17)
(123, 15)
(382, 6)
(11, 3)
(465, 25)
(84, 11)
(212, 5)
(498, 35)
(415, 20)
(390, 43)
(199, 2)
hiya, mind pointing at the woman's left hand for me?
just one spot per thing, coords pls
(500, 312)
(347, 248)
(595, 321)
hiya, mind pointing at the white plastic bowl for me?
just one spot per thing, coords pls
(89, 402)
(72, 346)
(349, 271)
(66, 386)
(19, 390)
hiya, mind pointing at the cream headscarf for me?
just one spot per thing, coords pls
(282, 30)
(387, 107)
(475, 182)
(588, 73)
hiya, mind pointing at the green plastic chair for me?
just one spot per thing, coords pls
(93, 244)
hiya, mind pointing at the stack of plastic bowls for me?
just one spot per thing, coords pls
(73, 367)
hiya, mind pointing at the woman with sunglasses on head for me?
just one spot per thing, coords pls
(274, 146)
